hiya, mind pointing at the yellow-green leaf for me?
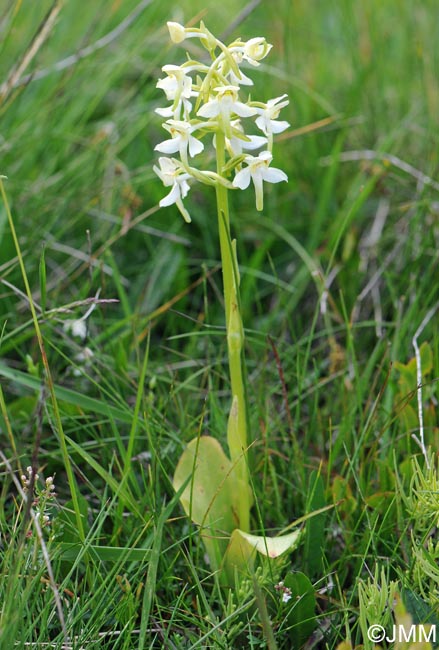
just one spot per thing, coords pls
(211, 497)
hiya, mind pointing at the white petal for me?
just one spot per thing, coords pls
(172, 197)
(275, 102)
(167, 165)
(277, 126)
(261, 123)
(168, 146)
(165, 112)
(243, 110)
(266, 156)
(242, 179)
(158, 172)
(274, 175)
(184, 187)
(169, 87)
(243, 80)
(256, 141)
(211, 109)
(195, 146)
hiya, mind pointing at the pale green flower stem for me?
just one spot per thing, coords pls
(237, 426)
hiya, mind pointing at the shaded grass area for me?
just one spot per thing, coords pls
(338, 274)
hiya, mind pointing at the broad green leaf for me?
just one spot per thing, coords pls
(211, 497)
(315, 528)
(301, 617)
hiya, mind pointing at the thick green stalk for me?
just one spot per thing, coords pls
(237, 426)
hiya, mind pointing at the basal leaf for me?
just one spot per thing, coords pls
(301, 616)
(211, 498)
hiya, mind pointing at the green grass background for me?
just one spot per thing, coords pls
(353, 230)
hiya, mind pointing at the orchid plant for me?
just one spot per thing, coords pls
(206, 102)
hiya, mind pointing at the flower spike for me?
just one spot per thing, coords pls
(213, 95)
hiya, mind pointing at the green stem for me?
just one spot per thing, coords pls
(237, 426)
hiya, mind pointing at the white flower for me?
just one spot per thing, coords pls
(237, 145)
(267, 119)
(255, 50)
(177, 87)
(286, 596)
(181, 140)
(172, 174)
(224, 105)
(176, 84)
(258, 170)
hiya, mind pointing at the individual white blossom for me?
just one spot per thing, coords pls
(286, 596)
(224, 105)
(255, 50)
(285, 591)
(181, 141)
(258, 171)
(177, 86)
(176, 83)
(172, 175)
(267, 117)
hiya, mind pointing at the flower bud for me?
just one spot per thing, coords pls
(177, 32)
